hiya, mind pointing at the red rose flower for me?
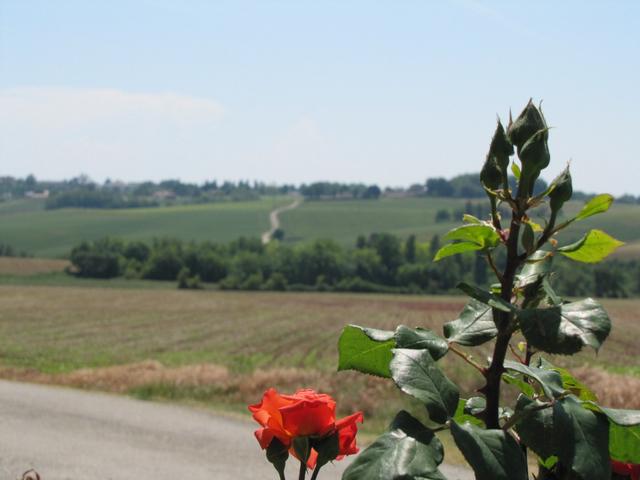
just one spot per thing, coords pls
(626, 469)
(303, 414)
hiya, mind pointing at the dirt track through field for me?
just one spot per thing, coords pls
(70, 434)
(274, 219)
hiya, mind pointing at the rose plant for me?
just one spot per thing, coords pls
(555, 416)
(304, 425)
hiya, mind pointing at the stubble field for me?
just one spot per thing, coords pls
(224, 349)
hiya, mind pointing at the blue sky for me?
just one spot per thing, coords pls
(390, 92)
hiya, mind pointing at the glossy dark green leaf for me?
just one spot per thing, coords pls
(419, 339)
(409, 451)
(417, 374)
(582, 438)
(493, 454)
(485, 297)
(598, 204)
(536, 429)
(366, 350)
(278, 454)
(624, 432)
(549, 380)
(474, 327)
(619, 416)
(456, 248)
(538, 265)
(567, 328)
(594, 247)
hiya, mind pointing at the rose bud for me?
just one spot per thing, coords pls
(501, 149)
(534, 156)
(490, 175)
(528, 123)
(562, 191)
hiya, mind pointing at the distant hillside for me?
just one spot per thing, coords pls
(26, 226)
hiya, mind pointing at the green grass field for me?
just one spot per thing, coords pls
(52, 233)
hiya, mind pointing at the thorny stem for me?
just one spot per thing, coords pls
(467, 358)
(515, 354)
(503, 322)
(493, 266)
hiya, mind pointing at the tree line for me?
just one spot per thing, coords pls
(381, 262)
(82, 192)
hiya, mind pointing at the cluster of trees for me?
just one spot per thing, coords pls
(379, 263)
(333, 190)
(8, 251)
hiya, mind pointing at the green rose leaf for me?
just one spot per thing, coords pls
(480, 234)
(474, 327)
(456, 248)
(421, 339)
(515, 169)
(598, 204)
(493, 454)
(409, 451)
(519, 382)
(469, 238)
(592, 248)
(549, 380)
(569, 382)
(582, 438)
(619, 416)
(465, 413)
(538, 265)
(624, 443)
(536, 427)
(366, 350)
(565, 329)
(624, 432)
(485, 297)
(416, 373)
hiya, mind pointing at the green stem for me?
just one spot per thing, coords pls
(303, 471)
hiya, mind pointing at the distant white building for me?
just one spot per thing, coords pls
(42, 194)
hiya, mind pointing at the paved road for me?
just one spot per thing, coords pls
(274, 219)
(77, 435)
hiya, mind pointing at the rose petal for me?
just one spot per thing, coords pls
(308, 418)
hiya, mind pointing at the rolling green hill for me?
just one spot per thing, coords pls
(344, 220)
(52, 233)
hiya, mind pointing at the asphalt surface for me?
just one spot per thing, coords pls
(78, 435)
